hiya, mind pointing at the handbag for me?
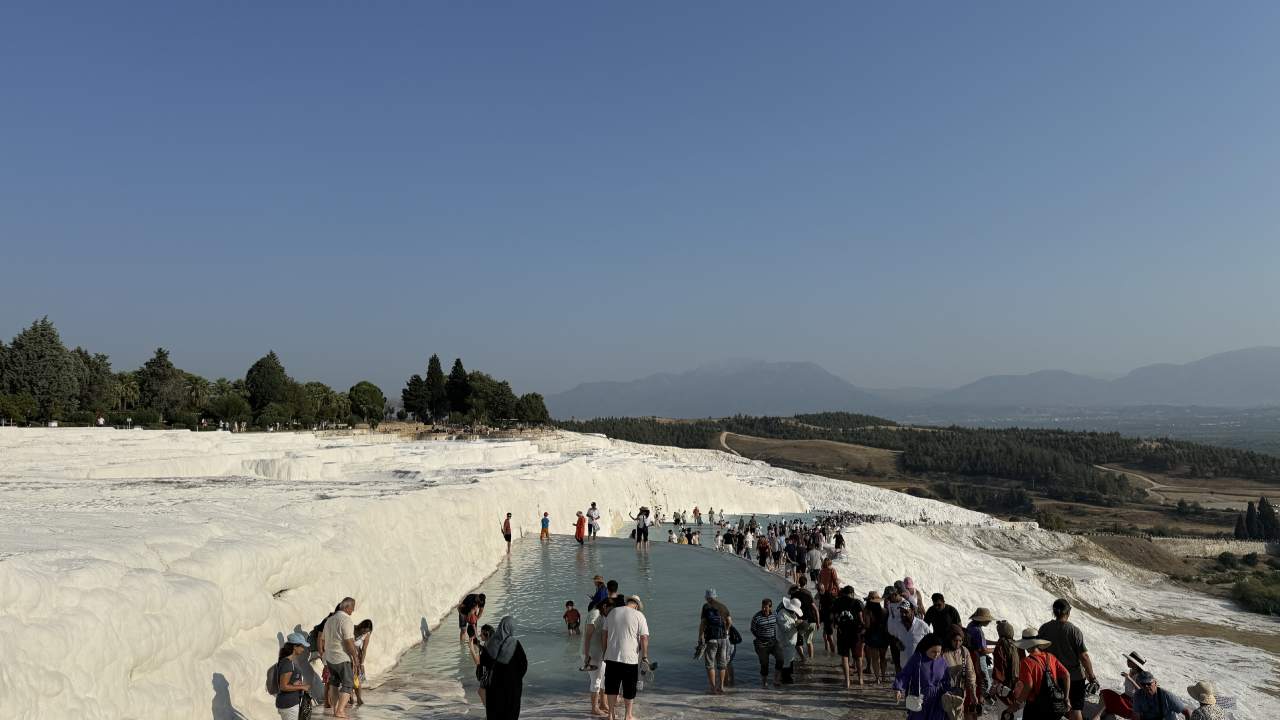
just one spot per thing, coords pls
(486, 677)
(735, 637)
(915, 703)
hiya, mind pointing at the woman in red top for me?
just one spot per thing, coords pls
(580, 530)
(828, 590)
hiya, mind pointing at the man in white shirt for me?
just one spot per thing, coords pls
(908, 630)
(593, 655)
(593, 520)
(340, 656)
(626, 640)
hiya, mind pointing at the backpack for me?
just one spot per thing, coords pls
(313, 637)
(735, 637)
(1050, 699)
(273, 680)
(850, 619)
(714, 623)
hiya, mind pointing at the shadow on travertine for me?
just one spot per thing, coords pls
(222, 707)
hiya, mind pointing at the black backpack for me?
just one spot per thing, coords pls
(313, 637)
(714, 629)
(1050, 700)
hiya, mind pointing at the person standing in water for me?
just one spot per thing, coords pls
(580, 528)
(545, 535)
(506, 532)
(506, 678)
(593, 520)
(642, 527)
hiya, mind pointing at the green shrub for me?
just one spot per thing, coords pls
(1228, 560)
(188, 420)
(1261, 595)
(1250, 559)
(141, 416)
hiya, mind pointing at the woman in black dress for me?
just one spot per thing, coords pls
(506, 678)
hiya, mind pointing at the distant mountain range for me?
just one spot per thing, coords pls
(748, 388)
(1240, 378)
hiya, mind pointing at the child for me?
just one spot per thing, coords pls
(572, 617)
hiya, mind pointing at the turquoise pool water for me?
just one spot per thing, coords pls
(436, 678)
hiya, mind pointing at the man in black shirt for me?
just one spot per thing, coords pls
(941, 616)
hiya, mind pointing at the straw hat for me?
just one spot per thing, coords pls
(1031, 639)
(636, 599)
(1203, 693)
(873, 596)
(982, 615)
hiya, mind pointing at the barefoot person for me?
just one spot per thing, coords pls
(713, 635)
(626, 639)
(593, 520)
(580, 528)
(364, 633)
(291, 687)
(506, 532)
(593, 653)
(341, 657)
(545, 533)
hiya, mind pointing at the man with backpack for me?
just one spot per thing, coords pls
(713, 638)
(1044, 685)
(846, 612)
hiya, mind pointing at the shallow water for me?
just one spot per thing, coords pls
(437, 678)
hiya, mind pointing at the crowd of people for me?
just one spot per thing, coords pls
(938, 665)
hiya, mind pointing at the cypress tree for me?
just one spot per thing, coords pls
(1251, 522)
(161, 385)
(1242, 532)
(414, 397)
(1268, 522)
(437, 395)
(458, 388)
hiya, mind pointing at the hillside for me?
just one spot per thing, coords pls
(746, 388)
(1240, 378)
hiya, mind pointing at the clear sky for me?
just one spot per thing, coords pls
(569, 191)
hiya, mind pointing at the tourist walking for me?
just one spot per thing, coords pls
(1068, 646)
(506, 532)
(940, 616)
(877, 636)
(1044, 685)
(580, 528)
(593, 520)
(643, 522)
(340, 656)
(975, 639)
(626, 639)
(960, 666)
(828, 591)
(505, 681)
(809, 611)
(848, 618)
(1007, 662)
(593, 649)
(790, 622)
(913, 594)
(764, 631)
(1153, 702)
(907, 630)
(923, 681)
(545, 533)
(713, 637)
(292, 690)
(1203, 693)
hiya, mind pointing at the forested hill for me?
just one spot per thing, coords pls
(1056, 462)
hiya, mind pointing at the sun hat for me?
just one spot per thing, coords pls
(579, 514)
(711, 593)
(1031, 639)
(636, 599)
(873, 596)
(298, 638)
(792, 604)
(982, 615)
(1135, 660)
(1203, 692)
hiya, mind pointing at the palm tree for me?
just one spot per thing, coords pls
(127, 390)
(198, 391)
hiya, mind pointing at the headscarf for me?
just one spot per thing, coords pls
(502, 644)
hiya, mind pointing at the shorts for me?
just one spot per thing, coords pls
(595, 678)
(506, 536)
(342, 676)
(642, 534)
(813, 575)
(716, 654)
(574, 625)
(462, 621)
(621, 675)
(849, 645)
(1077, 693)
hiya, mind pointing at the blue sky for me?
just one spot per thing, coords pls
(561, 192)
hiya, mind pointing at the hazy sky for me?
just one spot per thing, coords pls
(578, 191)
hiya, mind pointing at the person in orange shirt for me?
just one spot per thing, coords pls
(1031, 692)
(828, 591)
(580, 529)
